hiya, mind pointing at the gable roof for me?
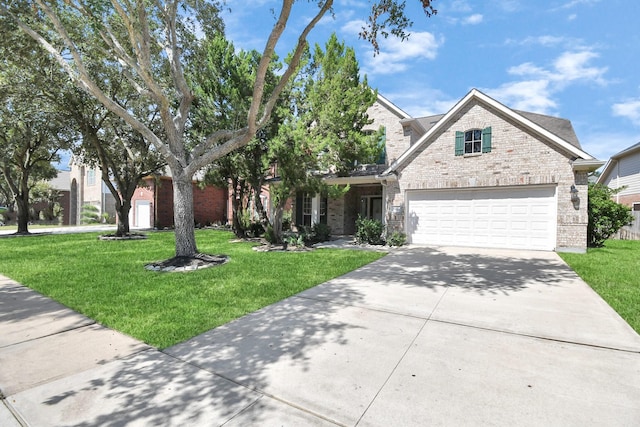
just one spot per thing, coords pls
(614, 159)
(557, 131)
(392, 107)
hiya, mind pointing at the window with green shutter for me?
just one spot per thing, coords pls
(473, 141)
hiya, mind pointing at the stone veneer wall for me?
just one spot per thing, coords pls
(517, 158)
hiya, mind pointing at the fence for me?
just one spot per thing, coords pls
(632, 231)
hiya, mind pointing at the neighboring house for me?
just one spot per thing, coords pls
(62, 183)
(622, 171)
(152, 204)
(480, 175)
(87, 188)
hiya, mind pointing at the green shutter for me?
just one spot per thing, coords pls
(486, 140)
(298, 219)
(383, 145)
(459, 143)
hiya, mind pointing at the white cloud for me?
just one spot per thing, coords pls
(421, 101)
(460, 6)
(531, 95)
(545, 40)
(574, 3)
(396, 55)
(474, 19)
(572, 66)
(537, 86)
(629, 110)
(353, 27)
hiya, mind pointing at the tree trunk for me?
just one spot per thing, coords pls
(183, 217)
(277, 220)
(22, 201)
(264, 218)
(122, 210)
(237, 208)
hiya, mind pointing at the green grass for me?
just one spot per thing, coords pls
(614, 273)
(106, 280)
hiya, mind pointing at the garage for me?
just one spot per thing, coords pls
(514, 217)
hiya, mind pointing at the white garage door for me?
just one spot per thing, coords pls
(517, 218)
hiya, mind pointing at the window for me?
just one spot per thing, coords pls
(636, 207)
(371, 207)
(473, 141)
(91, 177)
(307, 209)
(323, 210)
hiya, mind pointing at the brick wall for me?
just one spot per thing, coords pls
(517, 158)
(396, 142)
(209, 203)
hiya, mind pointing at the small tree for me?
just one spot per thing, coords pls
(606, 217)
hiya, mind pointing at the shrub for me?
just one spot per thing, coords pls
(270, 235)
(295, 240)
(255, 229)
(320, 232)
(397, 238)
(369, 231)
(606, 217)
(286, 221)
(90, 214)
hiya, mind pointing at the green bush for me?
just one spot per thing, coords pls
(320, 232)
(296, 240)
(286, 221)
(90, 214)
(397, 238)
(369, 231)
(270, 235)
(606, 217)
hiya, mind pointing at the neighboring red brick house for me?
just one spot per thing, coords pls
(152, 204)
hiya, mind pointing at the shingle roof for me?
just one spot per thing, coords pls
(556, 125)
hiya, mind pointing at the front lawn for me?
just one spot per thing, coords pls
(106, 280)
(613, 272)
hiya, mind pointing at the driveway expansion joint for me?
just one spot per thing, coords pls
(520, 334)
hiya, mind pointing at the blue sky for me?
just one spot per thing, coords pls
(576, 59)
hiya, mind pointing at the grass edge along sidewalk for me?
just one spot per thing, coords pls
(613, 271)
(107, 281)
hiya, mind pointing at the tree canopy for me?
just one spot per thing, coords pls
(147, 42)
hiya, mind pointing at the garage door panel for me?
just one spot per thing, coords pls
(520, 218)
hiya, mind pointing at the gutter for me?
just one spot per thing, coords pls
(587, 165)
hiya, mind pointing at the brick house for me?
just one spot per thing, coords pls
(87, 188)
(152, 204)
(480, 175)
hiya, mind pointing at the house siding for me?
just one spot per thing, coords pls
(626, 173)
(518, 158)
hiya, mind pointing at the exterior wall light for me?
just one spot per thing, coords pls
(574, 193)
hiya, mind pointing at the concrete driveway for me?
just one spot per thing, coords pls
(442, 336)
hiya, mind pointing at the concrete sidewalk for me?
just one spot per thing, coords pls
(445, 336)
